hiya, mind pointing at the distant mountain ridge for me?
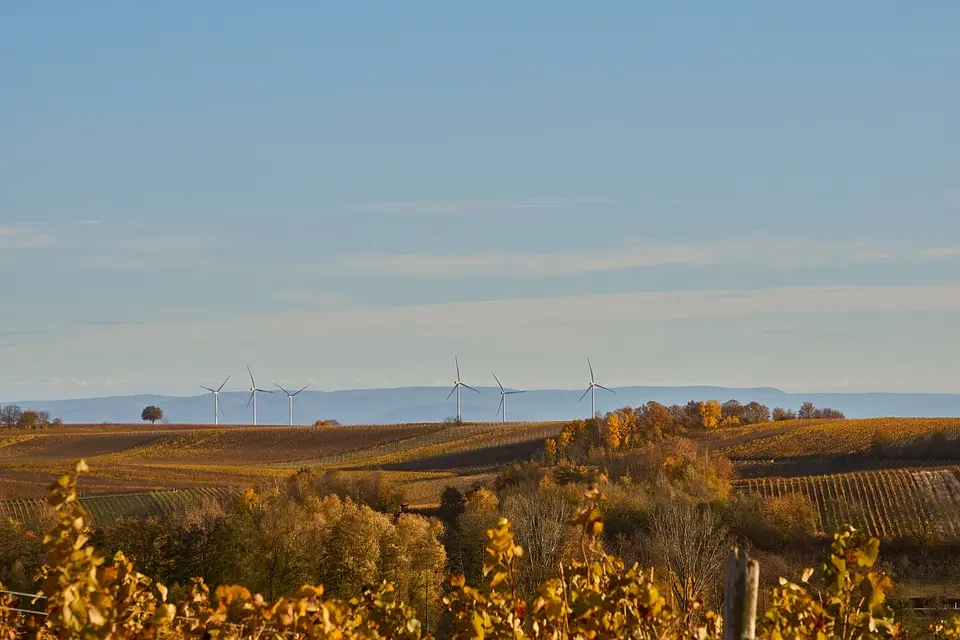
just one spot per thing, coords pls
(429, 404)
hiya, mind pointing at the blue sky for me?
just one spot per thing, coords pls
(347, 194)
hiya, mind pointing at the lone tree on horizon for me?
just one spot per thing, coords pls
(152, 414)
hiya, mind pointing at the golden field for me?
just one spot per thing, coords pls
(140, 463)
(828, 437)
(143, 458)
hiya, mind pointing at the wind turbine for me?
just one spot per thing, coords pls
(503, 397)
(290, 398)
(253, 394)
(217, 408)
(592, 390)
(456, 387)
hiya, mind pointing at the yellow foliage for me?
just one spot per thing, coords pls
(595, 596)
(484, 501)
(614, 431)
(249, 500)
(710, 413)
(730, 421)
(552, 451)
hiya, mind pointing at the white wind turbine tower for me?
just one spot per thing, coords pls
(290, 398)
(503, 396)
(592, 390)
(217, 408)
(253, 394)
(456, 387)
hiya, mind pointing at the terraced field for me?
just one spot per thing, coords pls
(105, 509)
(837, 437)
(888, 503)
(135, 457)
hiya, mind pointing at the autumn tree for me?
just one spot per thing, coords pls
(832, 414)
(711, 412)
(152, 414)
(10, 415)
(810, 412)
(614, 432)
(29, 420)
(755, 413)
(732, 412)
(682, 419)
(656, 421)
(780, 414)
(690, 543)
(692, 411)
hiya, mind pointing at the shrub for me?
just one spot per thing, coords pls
(594, 595)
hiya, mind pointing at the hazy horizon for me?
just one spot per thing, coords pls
(346, 196)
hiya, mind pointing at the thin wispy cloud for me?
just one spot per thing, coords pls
(23, 238)
(472, 207)
(570, 314)
(317, 300)
(538, 329)
(757, 252)
(637, 339)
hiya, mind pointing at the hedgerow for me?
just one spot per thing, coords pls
(594, 596)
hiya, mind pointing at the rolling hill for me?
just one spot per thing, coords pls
(429, 404)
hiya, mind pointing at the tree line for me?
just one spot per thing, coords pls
(633, 427)
(14, 416)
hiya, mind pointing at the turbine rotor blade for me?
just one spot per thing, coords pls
(585, 394)
(252, 383)
(281, 388)
(600, 386)
(451, 391)
(497, 379)
(457, 360)
(304, 387)
(219, 406)
(499, 407)
(463, 384)
(208, 389)
(509, 393)
(591, 370)
(249, 399)
(224, 382)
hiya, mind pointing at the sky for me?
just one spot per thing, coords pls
(348, 194)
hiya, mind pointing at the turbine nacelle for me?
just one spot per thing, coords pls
(290, 398)
(217, 407)
(254, 390)
(456, 388)
(503, 397)
(592, 391)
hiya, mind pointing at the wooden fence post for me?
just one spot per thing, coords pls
(740, 597)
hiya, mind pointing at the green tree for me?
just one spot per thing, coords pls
(808, 411)
(152, 414)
